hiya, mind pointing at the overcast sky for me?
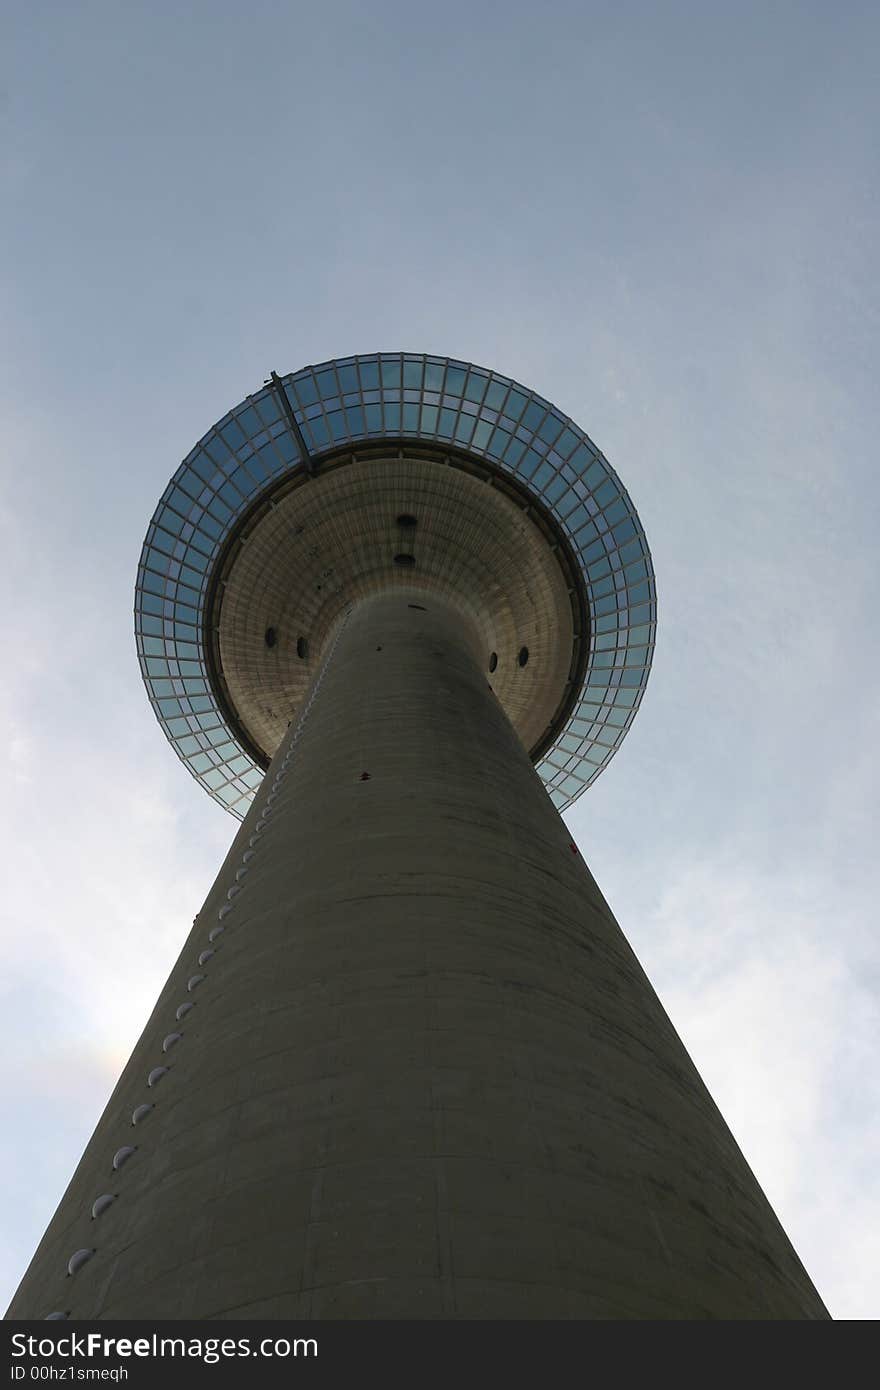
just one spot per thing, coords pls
(661, 216)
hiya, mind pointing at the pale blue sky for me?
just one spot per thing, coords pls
(663, 217)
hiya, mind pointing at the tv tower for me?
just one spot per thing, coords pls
(396, 612)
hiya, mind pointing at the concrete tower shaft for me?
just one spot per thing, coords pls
(423, 1075)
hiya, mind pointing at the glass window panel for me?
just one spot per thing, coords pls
(475, 387)
(250, 421)
(465, 427)
(534, 415)
(392, 416)
(153, 583)
(433, 376)
(268, 407)
(411, 419)
(446, 427)
(516, 404)
(412, 375)
(495, 395)
(556, 489)
(454, 381)
(348, 378)
(636, 571)
(306, 391)
(550, 429)
(514, 453)
(498, 443)
(369, 375)
(631, 551)
(219, 510)
(481, 434)
(327, 383)
(542, 476)
(605, 492)
(529, 463)
(233, 435)
(318, 430)
(390, 374)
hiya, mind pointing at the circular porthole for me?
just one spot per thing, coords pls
(215, 932)
(406, 562)
(205, 956)
(183, 1009)
(523, 656)
(271, 637)
(493, 661)
(156, 1075)
(101, 1203)
(140, 1113)
(194, 981)
(56, 1317)
(122, 1156)
(406, 522)
(170, 1040)
(302, 648)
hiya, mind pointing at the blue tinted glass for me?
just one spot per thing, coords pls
(475, 387)
(250, 421)
(534, 415)
(543, 476)
(348, 378)
(369, 375)
(233, 435)
(306, 391)
(390, 374)
(412, 375)
(514, 453)
(495, 395)
(516, 404)
(480, 437)
(550, 429)
(498, 443)
(327, 384)
(454, 381)
(464, 429)
(318, 432)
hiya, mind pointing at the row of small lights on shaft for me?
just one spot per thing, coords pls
(140, 1112)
